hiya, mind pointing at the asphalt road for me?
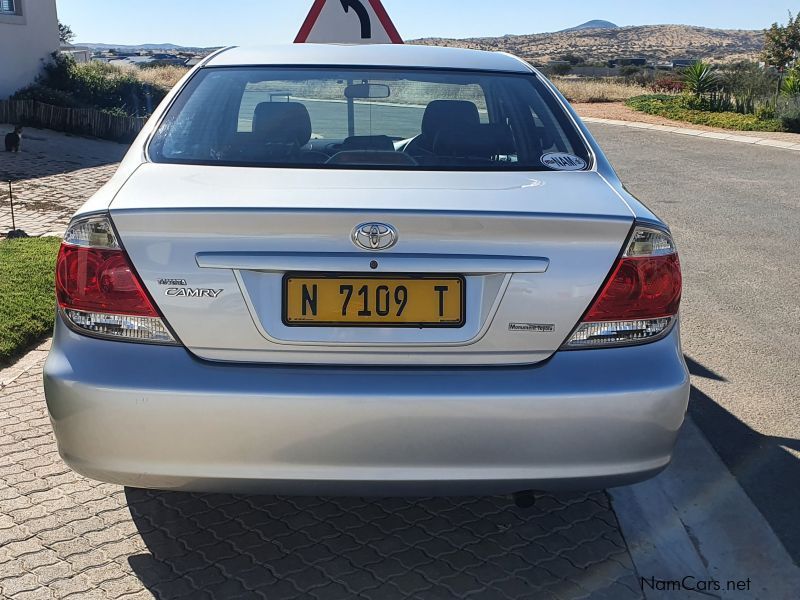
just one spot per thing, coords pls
(735, 212)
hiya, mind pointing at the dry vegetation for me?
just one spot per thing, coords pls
(164, 77)
(587, 90)
(655, 42)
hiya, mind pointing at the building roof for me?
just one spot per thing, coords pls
(132, 60)
(369, 55)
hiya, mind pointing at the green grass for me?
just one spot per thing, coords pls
(674, 107)
(27, 294)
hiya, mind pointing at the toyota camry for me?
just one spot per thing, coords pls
(366, 270)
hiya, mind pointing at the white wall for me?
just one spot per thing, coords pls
(25, 40)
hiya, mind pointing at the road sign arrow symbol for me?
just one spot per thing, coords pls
(332, 22)
(363, 16)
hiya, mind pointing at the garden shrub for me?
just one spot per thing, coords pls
(46, 94)
(790, 116)
(745, 87)
(93, 85)
(791, 85)
(690, 109)
(668, 84)
(765, 112)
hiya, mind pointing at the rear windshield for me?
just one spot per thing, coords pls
(368, 118)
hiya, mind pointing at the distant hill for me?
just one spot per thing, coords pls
(654, 42)
(596, 24)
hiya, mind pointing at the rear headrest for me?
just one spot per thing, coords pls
(282, 122)
(448, 114)
(480, 141)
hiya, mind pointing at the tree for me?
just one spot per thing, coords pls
(560, 69)
(573, 59)
(630, 71)
(782, 44)
(782, 47)
(65, 33)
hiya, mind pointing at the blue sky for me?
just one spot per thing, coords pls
(200, 22)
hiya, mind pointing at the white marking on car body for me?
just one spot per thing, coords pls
(562, 161)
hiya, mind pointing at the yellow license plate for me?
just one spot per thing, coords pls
(390, 301)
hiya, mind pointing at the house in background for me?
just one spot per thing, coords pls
(28, 35)
(80, 54)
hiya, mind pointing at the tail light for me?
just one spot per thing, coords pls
(641, 298)
(98, 291)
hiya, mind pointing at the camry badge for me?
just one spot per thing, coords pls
(193, 293)
(375, 236)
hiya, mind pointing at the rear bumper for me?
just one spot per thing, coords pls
(151, 416)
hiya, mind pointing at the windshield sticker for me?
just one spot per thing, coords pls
(561, 161)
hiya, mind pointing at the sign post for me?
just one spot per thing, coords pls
(348, 22)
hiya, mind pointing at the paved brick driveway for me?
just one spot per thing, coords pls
(52, 176)
(64, 536)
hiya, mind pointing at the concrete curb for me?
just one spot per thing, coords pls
(728, 137)
(694, 520)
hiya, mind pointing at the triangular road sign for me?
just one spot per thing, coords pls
(348, 22)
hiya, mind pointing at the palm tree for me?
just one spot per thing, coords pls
(701, 78)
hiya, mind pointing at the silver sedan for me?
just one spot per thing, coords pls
(366, 270)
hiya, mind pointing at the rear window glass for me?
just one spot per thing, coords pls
(370, 118)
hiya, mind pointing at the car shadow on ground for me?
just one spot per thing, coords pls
(763, 465)
(225, 546)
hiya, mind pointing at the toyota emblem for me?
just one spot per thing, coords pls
(375, 236)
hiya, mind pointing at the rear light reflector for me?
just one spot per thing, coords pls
(641, 298)
(617, 332)
(98, 291)
(135, 329)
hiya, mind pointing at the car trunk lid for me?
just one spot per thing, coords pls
(213, 246)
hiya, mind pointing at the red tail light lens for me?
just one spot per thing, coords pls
(98, 291)
(95, 280)
(641, 298)
(640, 288)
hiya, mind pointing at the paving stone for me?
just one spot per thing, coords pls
(74, 585)
(53, 572)
(43, 558)
(30, 595)
(104, 573)
(118, 588)
(13, 586)
(96, 594)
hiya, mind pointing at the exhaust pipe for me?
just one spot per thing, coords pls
(525, 499)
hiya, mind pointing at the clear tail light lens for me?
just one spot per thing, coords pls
(98, 291)
(641, 298)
